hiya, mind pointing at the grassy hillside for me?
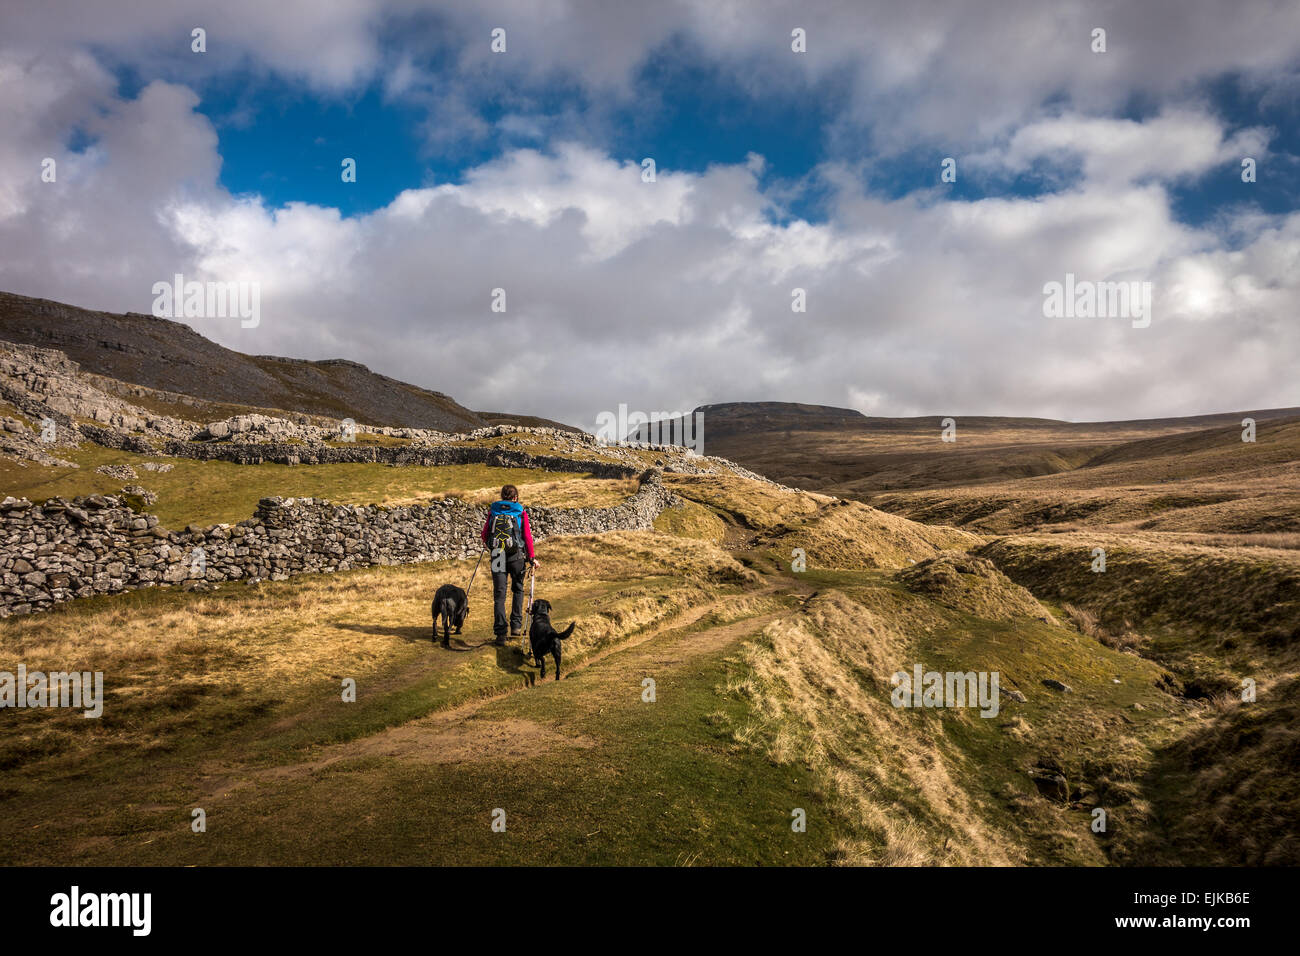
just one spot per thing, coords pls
(840, 452)
(1201, 482)
(711, 694)
(1236, 606)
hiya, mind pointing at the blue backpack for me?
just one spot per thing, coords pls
(506, 527)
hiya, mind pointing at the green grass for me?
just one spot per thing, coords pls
(211, 492)
(659, 786)
(653, 783)
(689, 519)
(1080, 732)
(10, 411)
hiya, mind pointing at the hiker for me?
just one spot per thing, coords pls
(507, 535)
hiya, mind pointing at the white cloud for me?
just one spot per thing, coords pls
(915, 73)
(1174, 145)
(331, 45)
(676, 293)
(617, 206)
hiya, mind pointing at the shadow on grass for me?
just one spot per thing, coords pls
(510, 658)
(412, 634)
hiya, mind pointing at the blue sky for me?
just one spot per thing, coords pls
(284, 142)
(777, 171)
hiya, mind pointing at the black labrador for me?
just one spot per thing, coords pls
(545, 638)
(451, 604)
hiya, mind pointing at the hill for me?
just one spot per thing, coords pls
(170, 357)
(840, 451)
(1192, 484)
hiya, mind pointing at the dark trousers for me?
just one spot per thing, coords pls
(512, 577)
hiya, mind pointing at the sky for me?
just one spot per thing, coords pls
(776, 170)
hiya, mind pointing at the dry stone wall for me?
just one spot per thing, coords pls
(288, 454)
(65, 549)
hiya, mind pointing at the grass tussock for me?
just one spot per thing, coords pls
(847, 534)
(967, 583)
(1125, 639)
(619, 614)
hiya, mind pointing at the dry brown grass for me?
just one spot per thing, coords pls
(174, 663)
(265, 634)
(273, 631)
(756, 506)
(1248, 511)
(849, 461)
(1123, 639)
(913, 787)
(853, 535)
(638, 554)
(1284, 540)
(1206, 482)
(578, 493)
(865, 458)
(207, 492)
(1229, 784)
(571, 493)
(690, 519)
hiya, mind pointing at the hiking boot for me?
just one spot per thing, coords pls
(500, 641)
(516, 633)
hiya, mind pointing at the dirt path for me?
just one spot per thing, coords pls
(462, 735)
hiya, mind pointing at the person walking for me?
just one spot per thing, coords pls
(509, 538)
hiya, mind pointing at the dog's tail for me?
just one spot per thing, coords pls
(564, 635)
